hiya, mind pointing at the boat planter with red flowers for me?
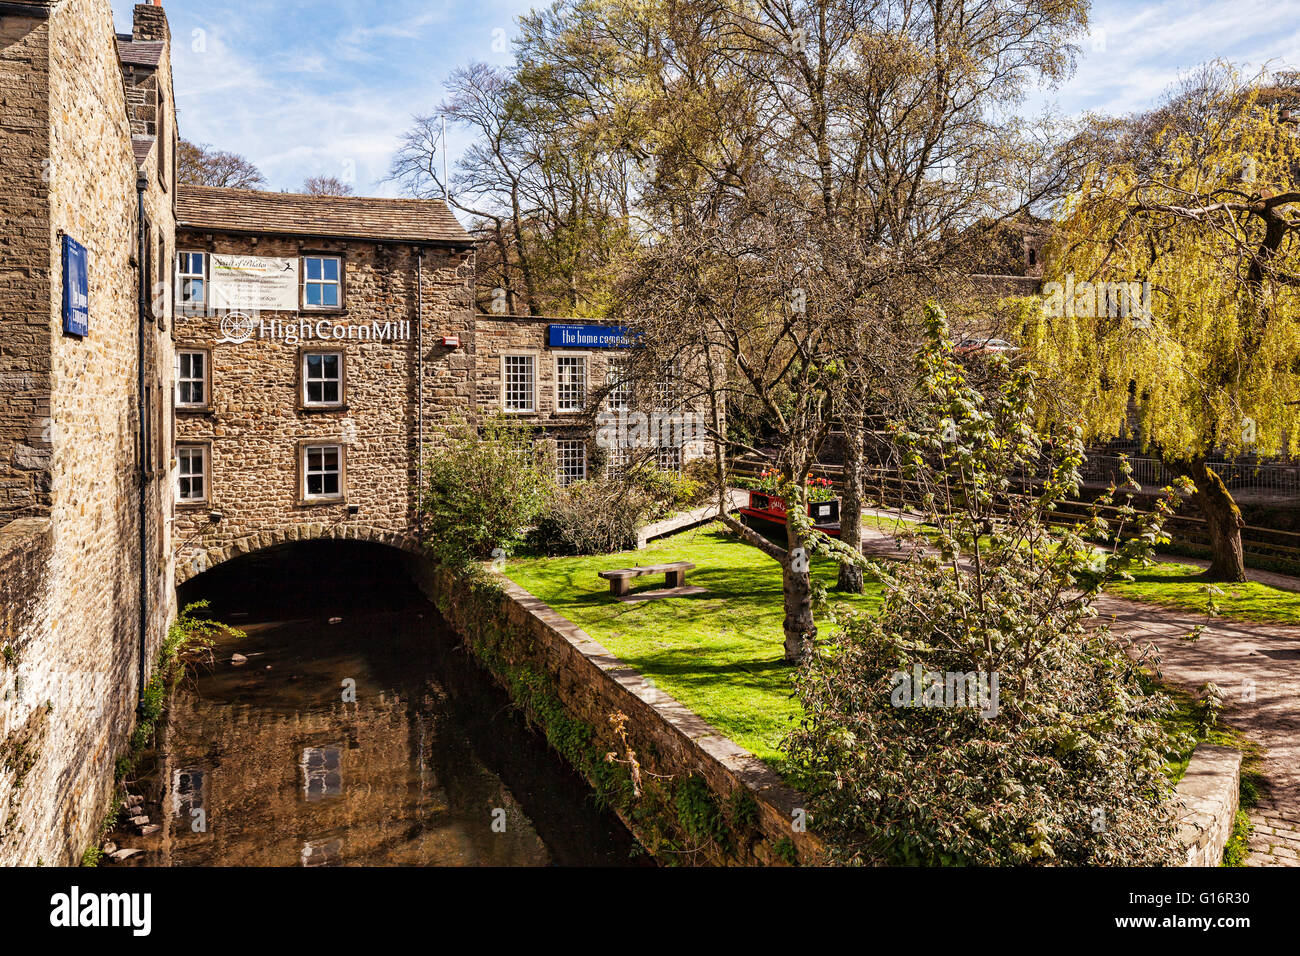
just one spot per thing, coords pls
(765, 506)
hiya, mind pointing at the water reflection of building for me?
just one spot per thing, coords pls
(351, 784)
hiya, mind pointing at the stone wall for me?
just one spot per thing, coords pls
(25, 549)
(80, 665)
(1209, 793)
(256, 422)
(25, 276)
(526, 644)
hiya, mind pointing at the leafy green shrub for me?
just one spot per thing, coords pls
(1237, 848)
(188, 636)
(1057, 757)
(482, 488)
(667, 491)
(698, 812)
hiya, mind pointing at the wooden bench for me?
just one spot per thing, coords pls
(674, 576)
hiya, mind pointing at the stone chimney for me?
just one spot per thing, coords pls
(150, 22)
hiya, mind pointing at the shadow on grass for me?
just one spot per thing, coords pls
(1170, 579)
(684, 666)
(719, 586)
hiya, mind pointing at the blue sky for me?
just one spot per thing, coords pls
(328, 86)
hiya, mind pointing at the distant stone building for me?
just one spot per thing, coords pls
(317, 338)
(576, 383)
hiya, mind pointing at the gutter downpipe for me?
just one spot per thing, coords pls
(141, 252)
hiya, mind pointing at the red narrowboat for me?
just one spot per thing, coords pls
(769, 508)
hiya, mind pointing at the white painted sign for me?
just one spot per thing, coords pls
(254, 282)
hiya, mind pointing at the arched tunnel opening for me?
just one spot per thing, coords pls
(350, 725)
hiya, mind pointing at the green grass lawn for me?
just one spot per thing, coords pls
(719, 653)
(1176, 585)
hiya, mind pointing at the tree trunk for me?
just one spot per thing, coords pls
(850, 579)
(796, 579)
(1224, 522)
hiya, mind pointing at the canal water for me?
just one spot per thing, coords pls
(356, 731)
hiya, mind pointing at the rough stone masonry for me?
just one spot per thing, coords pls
(81, 468)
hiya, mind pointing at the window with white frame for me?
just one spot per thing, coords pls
(617, 461)
(570, 383)
(192, 379)
(666, 387)
(570, 462)
(192, 474)
(189, 792)
(519, 377)
(322, 472)
(322, 282)
(322, 378)
(669, 457)
(191, 279)
(618, 378)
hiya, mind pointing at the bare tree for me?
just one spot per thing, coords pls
(201, 165)
(326, 186)
(540, 199)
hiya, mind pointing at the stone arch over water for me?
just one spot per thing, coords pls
(194, 558)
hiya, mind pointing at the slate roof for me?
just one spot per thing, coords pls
(247, 211)
(140, 52)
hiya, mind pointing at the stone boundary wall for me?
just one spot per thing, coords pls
(1209, 792)
(687, 519)
(25, 549)
(670, 740)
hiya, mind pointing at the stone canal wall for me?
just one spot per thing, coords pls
(1209, 792)
(690, 795)
(25, 549)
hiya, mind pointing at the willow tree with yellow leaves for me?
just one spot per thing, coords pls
(1171, 310)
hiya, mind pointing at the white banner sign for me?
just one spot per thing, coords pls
(254, 282)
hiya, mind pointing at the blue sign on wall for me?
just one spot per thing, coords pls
(590, 337)
(76, 288)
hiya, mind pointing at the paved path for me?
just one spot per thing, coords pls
(688, 519)
(1258, 668)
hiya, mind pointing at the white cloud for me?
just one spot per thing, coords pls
(1133, 54)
